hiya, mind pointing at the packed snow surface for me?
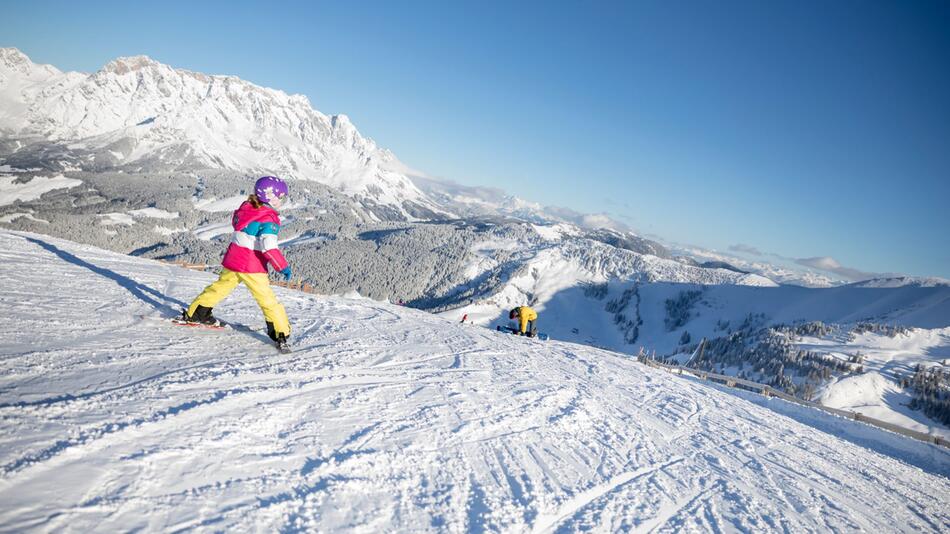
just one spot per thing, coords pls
(389, 419)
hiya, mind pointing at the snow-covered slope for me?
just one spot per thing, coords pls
(387, 418)
(138, 114)
(575, 281)
(589, 293)
(563, 263)
(885, 359)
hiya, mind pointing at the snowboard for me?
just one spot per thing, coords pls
(177, 321)
(515, 331)
(220, 326)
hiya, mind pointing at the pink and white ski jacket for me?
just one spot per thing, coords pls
(254, 243)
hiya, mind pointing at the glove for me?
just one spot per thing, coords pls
(286, 272)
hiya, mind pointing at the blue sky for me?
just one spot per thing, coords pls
(805, 129)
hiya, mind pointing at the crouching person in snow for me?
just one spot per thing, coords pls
(527, 320)
(252, 247)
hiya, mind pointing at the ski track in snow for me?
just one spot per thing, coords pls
(385, 418)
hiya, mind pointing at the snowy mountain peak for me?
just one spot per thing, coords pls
(15, 62)
(137, 114)
(123, 65)
(12, 56)
(342, 121)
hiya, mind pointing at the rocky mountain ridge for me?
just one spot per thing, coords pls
(136, 114)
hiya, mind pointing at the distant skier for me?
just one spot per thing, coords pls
(527, 320)
(253, 246)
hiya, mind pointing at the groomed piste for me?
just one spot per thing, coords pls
(390, 419)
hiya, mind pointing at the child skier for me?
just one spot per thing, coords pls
(253, 246)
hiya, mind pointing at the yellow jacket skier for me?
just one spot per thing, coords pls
(527, 320)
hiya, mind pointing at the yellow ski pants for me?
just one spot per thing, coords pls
(260, 289)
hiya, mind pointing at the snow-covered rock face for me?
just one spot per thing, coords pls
(12, 60)
(21, 82)
(138, 114)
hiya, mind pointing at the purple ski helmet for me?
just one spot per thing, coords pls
(269, 188)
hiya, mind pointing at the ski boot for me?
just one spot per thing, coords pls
(279, 339)
(202, 316)
(281, 344)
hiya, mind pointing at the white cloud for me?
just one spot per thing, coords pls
(746, 249)
(831, 265)
(598, 220)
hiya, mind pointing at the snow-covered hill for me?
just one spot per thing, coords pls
(137, 114)
(885, 360)
(562, 264)
(904, 281)
(387, 418)
(630, 303)
(573, 278)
